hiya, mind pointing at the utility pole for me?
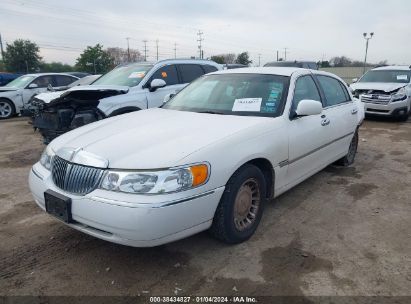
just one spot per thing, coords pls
(367, 38)
(157, 48)
(200, 40)
(259, 59)
(128, 49)
(1, 47)
(175, 50)
(285, 54)
(145, 50)
(277, 55)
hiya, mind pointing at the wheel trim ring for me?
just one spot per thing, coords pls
(245, 212)
(5, 109)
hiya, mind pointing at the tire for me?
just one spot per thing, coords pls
(238, 214)
(403, 117)
(352, 151)
(7, 109)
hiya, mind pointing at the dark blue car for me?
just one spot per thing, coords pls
(5, 78)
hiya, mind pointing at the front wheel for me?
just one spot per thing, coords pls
(241, 206)
(348, 159)
(7, 109)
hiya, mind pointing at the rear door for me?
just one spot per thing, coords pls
(62, 81)
(341, 114)
(169, 74)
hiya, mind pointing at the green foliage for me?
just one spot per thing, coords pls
(2, 66)
(243, 58)
(55, 67)
(218, 59)
(22, 56)
(95, 60)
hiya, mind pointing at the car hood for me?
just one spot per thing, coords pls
(8, 89)
(149, 139)
(93, 92)
(381, 86)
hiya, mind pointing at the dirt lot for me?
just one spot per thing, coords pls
(345, 231)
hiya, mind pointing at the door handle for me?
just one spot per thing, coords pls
(325, 122)
(354, 111)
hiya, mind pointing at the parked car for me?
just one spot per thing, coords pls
(209, 158)
(127, 88)
(230, 66)
(17, 93)
(5, 78)
(297, 64)
(32, 108)
(78, 74)
(385, 91)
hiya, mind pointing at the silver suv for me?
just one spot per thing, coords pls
(385, 91)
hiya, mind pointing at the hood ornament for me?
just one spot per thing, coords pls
(81, 157)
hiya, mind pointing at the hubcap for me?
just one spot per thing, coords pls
(5, 109)
(246, 204)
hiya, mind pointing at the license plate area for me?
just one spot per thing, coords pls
(58, 206)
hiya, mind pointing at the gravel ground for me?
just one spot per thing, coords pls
(344, 231)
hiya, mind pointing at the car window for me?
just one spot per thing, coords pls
(168, 73)
(305, 88)
(44, 81)
(190, 72)
(333, 91)
(209, 68)
(62, 80)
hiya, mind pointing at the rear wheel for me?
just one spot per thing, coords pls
(352, 151)
(7, 109)
(241, 206)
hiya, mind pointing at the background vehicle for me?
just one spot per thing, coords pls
(208, 159)
(385, 91)
(78, 74)
(297, 64)
(127, 88)
(17, 93)
(5, 78)
(230, 66)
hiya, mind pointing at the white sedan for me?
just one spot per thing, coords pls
(208, 159)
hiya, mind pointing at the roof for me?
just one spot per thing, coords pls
(48, 74)
(176, 60)
(286, 71)
(393, 67)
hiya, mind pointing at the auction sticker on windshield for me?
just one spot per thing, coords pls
(247, 105)
(402, 77)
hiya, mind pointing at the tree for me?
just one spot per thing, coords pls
(22, 56)
(95, 60)
(341, 61)
(243, 58)
(55, 67)
(218, 59)
(121, 55)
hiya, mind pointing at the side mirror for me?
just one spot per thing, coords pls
(156, 84)
(354, 80)
(33, 86)
(168, 97)
(307, 107)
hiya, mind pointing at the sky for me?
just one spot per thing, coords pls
(307, 29)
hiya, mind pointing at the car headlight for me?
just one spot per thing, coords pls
(46, 158)
(401, 94)
(156, 182)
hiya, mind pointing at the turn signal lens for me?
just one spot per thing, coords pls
(200, 174)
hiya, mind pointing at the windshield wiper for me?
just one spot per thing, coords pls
(211, 112)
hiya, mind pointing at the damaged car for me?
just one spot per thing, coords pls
(385, 91)
(127, 88)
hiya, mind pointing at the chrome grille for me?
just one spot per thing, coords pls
(75, 178)
(375, 98)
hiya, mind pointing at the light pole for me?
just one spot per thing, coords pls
(367, 38)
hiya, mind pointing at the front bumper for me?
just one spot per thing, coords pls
(133, 220)
(389, 109)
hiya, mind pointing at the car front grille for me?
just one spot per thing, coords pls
(376, 98)
(74, 178)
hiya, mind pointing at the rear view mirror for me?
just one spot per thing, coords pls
(307, 107)
(156, 84)
(33, 86)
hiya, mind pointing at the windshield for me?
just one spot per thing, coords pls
(130, 75)
(391, 76)
(233, 94)
(84, 81)
(21, 82)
